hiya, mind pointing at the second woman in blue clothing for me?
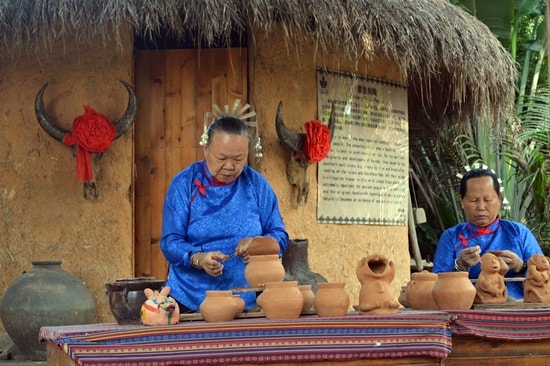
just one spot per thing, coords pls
(461, 247)
(212, 209)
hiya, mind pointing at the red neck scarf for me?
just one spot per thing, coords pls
(212, 182)
(478, 231)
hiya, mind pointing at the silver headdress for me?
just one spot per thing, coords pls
(238, 112)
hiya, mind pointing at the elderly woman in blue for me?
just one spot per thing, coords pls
(460, 247)
(212, 208)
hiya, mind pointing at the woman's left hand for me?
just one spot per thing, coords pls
(242, 249)
(514, 262)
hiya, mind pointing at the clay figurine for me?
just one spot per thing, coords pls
(159, 308)
(490, 286)
(536, 287)
(376, 273)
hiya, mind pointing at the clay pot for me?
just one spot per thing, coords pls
(376, 273)
(419, 291)
(219, 306)
(453, 291)
(264, 268)
(331, 299)
(46, 295)
(263, 245)
(126, 297)
(308, 295)
(240, 303)
(281, 300)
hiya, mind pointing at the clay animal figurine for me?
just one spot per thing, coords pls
(490, 286)
(536, 287)
(159, 308)
(376, 272)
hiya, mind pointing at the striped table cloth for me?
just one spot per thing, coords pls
(510, 324)
(259, 340)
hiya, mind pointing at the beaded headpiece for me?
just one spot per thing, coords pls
(236, 111)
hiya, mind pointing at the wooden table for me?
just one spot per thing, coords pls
(502, 336)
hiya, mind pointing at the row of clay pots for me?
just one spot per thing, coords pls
(443, 291)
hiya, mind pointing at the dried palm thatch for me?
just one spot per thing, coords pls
(454, 66)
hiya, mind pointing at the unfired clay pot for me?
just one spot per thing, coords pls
(418, 293)
(453, 291)
(376, 273)
(264, 268)
(240, 303)
(281, 300)
(219, 306)
(263, 245)
(308, 295)
(331, 299)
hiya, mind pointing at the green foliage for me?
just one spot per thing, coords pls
(518, 149)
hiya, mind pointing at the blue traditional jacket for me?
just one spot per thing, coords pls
(500, 235)
(200, 215)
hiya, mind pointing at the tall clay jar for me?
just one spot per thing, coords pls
(331, 299)
(219, 306)
(46, 295)
(264, 268)
(453, 291)
(281, 300)
(419, 291)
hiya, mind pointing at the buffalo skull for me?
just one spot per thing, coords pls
(118, 129)
(301, 159)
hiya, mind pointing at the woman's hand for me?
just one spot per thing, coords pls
(211, 262)
(242, 249)
(469, 257)
(514, 262)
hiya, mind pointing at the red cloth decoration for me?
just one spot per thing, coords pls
(317, 144)
(92, 132)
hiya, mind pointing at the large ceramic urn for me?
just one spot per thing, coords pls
(46, 295)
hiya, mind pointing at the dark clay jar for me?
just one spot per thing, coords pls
(126, 297)
(46, 295)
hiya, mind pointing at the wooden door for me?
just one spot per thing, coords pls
(175, 88)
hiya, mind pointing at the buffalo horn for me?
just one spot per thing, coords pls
(45, 121)
(291, 140)
(128, 117)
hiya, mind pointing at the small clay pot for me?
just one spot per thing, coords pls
(453, 291)
(281, 300)
(308, 295)
(419, 291)
(263, 245)
(264, 268)
(240, 303)
(331, 299)
(219, 306)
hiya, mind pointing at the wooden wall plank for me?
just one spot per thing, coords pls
(179, 87)
(158, 149)
(142, 212)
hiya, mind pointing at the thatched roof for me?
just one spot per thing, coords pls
(454, 66)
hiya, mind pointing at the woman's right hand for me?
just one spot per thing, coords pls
(211, 262)
(469, 256)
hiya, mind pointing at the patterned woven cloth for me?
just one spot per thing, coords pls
(307, 339)
(511, 324)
